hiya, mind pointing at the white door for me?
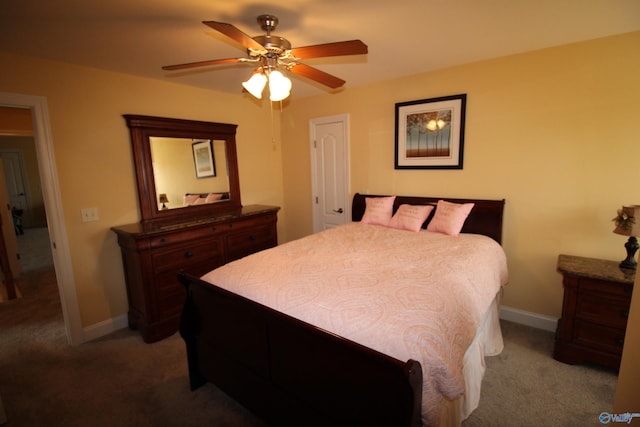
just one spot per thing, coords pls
(330, 171)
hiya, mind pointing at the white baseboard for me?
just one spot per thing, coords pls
(528, 318)
(104, 328)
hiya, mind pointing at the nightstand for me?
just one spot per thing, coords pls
(597, 296)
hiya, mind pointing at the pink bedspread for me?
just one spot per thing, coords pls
(409, 295)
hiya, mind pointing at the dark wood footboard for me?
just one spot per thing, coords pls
(289, 372)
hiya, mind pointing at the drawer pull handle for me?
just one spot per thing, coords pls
(624, 313)
(188, 254)
(162, 240)
(213, 229)
(252, 238)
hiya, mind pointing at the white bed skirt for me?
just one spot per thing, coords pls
(487, 342)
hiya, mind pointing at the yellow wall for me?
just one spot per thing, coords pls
(95, 165)
(553, 132)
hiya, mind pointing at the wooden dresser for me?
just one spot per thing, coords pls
(152, 255)
(597, 297)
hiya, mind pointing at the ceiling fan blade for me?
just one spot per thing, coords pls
(351, 47)
(201, 64)
(235, 34)
(319, 76)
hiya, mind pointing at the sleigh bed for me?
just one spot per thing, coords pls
(360, 325)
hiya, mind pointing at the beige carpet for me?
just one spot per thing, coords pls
(121, 381)
(525, 386)
(114, 381)
(35, 249)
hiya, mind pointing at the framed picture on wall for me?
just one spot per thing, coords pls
(430, 133)
(203, 158)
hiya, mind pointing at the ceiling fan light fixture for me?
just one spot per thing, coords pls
(255, 85)
(279, 86)
(270, 52)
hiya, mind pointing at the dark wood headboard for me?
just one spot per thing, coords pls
(485, 217)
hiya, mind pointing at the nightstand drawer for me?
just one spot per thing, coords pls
(600, 309)
(605, 287)
(597, 297)
(599, 337)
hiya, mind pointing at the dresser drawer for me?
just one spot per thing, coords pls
(599, 337)
(182, 256)
(250, 222)
(189, 235)
(170, 295)
(600, 309)
(240, 244)
(153, 253)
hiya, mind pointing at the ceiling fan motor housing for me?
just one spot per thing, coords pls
(268, 23)
(274, 44)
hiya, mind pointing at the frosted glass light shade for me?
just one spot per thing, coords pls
(255, 84)
(279, 86)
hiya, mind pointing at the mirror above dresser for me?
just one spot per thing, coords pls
(184, 168)
(192, 218)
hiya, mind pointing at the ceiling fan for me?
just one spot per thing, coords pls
(272, 53)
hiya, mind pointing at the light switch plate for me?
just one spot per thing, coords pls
(89, 214)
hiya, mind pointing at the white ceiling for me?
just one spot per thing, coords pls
(404, 36)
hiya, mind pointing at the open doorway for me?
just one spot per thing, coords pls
(21, 179)
(24, 225)
(57, 236)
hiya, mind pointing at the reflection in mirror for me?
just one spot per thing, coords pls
(177, 177)
(166, 168)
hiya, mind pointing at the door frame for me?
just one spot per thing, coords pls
(53, 209)
(344, 118)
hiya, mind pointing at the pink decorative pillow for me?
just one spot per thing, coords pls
(378, 210)
(449, 217)
(190, 199)
(410, 217)
(213, 197)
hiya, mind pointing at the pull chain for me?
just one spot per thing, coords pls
(273, 136)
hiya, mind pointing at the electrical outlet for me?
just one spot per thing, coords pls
(89, 214)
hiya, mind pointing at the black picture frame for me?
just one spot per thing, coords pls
(429, 133)
(203, 158)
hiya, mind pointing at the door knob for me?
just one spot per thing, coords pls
(338, 210)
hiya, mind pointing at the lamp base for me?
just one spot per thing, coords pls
(632, 247)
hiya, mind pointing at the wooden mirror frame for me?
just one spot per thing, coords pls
(142, 128)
